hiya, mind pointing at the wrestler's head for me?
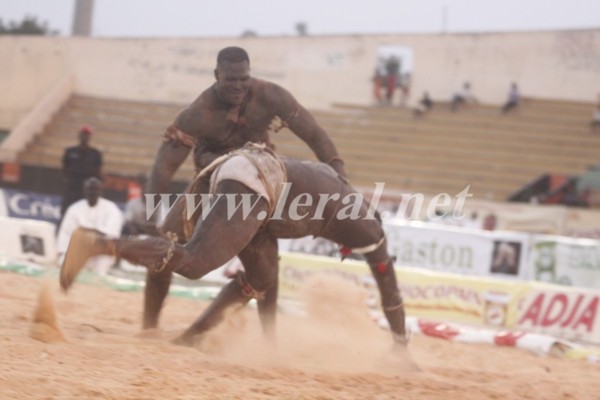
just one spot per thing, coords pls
(233, 75)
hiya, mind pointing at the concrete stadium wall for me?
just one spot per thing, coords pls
(317, 70)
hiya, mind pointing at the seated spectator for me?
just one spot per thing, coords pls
(425, 104)
(513, 99)
(572, 198)
(490, 222)
(92, 212)
(595, 124)
(136, 221)
(463, 96)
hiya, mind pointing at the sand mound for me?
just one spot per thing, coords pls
(45, 326)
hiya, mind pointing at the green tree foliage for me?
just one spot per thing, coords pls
(28, 26)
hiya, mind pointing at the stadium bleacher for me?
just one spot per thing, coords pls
(442, 152)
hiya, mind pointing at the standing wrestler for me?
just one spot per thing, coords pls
(235, 110)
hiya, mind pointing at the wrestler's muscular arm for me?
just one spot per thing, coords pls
(188, 131)
(169, 158)
(180, 138)
(304, 125)
(178, 142)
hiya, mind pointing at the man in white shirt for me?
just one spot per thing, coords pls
(92, 212)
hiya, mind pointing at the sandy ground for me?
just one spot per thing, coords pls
(335, 353)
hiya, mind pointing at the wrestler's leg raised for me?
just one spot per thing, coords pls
(216, 239)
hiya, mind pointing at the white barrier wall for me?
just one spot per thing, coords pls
(473, 252)
(567, 261)
(447, 249)
(318, 70)
(459, 250)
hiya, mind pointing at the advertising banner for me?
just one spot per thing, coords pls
(566, 261)
(3, 210)
(434, 295)
(459, 250)
(22, 239)
(441, 248)
(30, 205)
(461, 299)
(571, 313)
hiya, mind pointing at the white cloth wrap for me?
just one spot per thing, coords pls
(259, 170)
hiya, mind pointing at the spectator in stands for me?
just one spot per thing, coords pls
(513, 99)
(572, 198)
(463, 96)
(392, 69)
(93, 212)
(490, 222)
(136, 219)
(472, 222)
(595, 124)
(378, 81)
(79, 163)
(405, 83)
(425, 104)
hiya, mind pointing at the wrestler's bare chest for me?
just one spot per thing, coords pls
(223, 129)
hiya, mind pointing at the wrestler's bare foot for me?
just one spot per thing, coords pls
(84, 243)
(183, 340)
(399, 354)
(151, 333)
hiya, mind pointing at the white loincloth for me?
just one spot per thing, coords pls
(255, 168)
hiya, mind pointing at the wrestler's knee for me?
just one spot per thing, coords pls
(256, 284)
(188, 266)
(263, 282)
(172, 223)
(171, 232)
(159, 276)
